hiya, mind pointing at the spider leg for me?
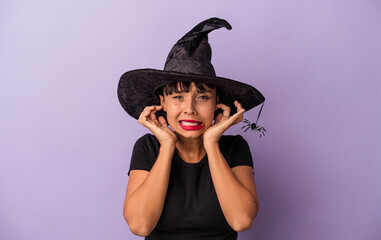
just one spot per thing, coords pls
(261, 133)
(246, 121)
(246, 129)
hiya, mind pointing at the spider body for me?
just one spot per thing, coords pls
(254, 127)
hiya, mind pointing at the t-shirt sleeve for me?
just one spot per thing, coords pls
(241, 154)
(142, 154)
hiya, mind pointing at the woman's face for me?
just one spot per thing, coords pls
(190, 113)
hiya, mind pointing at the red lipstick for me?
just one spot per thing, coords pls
(190, 125)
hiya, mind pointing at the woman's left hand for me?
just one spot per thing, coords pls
(223, 122)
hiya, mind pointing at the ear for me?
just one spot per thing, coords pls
(217, 101)
(162, 103)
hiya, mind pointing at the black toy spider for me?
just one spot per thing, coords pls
(254, 127)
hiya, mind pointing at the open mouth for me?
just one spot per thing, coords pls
(191, 125)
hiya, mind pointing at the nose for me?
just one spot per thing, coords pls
(189, 106)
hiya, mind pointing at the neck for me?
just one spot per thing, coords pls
(190, 150)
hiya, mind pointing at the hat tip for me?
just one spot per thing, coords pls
(220, 21)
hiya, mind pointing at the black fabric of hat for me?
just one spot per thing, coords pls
(188, 61)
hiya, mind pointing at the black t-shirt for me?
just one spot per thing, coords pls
(191, 209)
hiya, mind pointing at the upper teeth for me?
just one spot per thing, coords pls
(189, 123)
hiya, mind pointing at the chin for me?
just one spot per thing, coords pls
(190, 135)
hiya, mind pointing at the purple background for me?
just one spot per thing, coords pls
(65, 141)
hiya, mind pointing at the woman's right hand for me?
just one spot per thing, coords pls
(158, 127)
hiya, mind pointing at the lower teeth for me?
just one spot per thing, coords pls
(190, 124)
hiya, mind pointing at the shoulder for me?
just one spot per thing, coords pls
(148, 140)
(235, 150)
(147, 143)
(145, 152)
(230, 144)
(229, 140)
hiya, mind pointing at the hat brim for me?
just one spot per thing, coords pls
(136, 89)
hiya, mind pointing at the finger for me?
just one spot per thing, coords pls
(157, 108)
(152, 115)
(239, 113)
(145, 113)
(238, 105)
(225, 109)
(162, 122)
(218, 118)
(238, 116)
(142, 116)
(151, 109)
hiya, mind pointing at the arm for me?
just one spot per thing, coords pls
(146, 191)
(235, 190)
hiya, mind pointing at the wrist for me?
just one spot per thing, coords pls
(211, 144)
(168, 146)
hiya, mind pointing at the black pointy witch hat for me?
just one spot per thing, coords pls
(188, 61)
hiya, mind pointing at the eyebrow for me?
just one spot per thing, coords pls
(200, 91)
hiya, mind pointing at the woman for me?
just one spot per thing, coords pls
(187, 180)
